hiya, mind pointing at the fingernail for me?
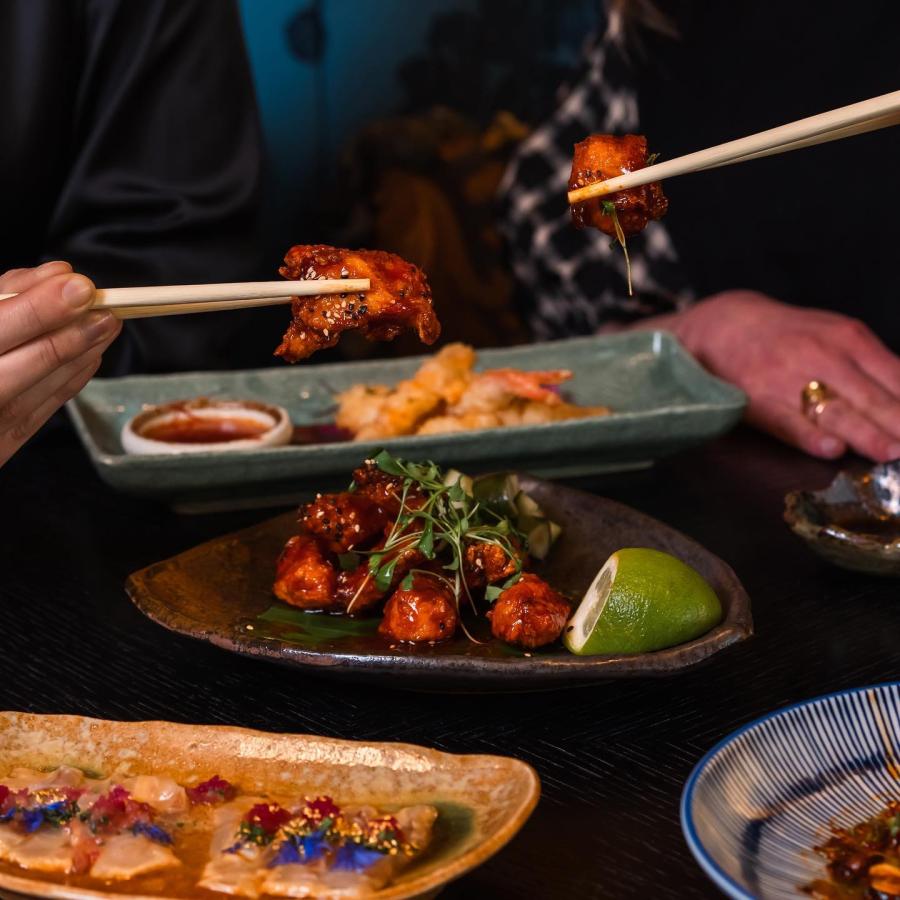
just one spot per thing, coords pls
(77, 291)
(893, 452)
(830, 446)
(52, 263)
(98, 326)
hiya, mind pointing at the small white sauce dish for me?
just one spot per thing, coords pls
(203, 425)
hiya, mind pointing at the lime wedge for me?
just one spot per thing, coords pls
(641, 600)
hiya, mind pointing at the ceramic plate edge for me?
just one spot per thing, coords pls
(688, 828)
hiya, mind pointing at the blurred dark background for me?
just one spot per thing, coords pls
(389, 124)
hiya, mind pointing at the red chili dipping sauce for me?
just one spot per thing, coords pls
(188, 429)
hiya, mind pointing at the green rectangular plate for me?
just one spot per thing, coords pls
(662, 401)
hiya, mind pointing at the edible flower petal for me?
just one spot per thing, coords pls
(31, 819)
(117, 810)
(355, 858)
(319, 809)
(213, 790)
(154, 832)
(260, 825)
(299, 849)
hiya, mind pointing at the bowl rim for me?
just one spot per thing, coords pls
(279, 416)
(688, 828)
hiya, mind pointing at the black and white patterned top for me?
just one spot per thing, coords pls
(569, 281)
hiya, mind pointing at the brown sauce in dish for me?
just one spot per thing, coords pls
(203, 430)
(859, 521)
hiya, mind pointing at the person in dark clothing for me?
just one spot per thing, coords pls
(131, 150)
(808, 227)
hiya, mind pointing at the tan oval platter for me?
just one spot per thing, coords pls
(482, 801)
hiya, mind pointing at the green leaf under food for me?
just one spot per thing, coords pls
(314, 626)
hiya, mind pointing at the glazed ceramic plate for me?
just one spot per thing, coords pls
(757, 803)
(482, 800)
(221, 592)
(662, 400)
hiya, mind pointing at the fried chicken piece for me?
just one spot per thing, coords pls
(304, 576)
(399, 298)
(385, 489)
(356, 588)
(485, 563)
(426, 612)
(529, 614)
(603, 156)
(343, 520)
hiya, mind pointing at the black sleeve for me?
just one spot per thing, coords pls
(164, 181)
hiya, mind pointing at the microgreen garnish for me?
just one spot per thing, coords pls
(438, 517)
(609, 209)
(652, 158)
(493, 591)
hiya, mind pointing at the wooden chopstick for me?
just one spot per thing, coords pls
(872, 125)
(857, 118)
(184, 309)
(175, 299)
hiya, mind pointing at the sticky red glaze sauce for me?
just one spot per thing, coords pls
(203, 430)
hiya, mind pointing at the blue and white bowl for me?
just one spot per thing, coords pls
(759, 801)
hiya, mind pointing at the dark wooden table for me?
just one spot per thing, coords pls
(612, 758)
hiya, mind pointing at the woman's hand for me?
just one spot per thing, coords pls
(50, 346)
(772, 351)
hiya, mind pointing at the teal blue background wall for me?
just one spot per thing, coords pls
(380, 57)
(365, 41)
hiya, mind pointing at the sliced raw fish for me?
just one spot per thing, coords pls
(126, 856)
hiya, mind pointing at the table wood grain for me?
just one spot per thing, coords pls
(612, 758)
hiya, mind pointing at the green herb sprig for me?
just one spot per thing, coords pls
(444, 518)
(609, 209)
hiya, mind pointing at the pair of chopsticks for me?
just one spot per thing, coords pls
(858, 118)
(180, 299)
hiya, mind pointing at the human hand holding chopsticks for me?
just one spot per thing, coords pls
(51, 344)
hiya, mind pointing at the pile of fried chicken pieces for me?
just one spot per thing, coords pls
(528, 614)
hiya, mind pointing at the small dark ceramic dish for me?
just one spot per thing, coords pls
(855, 521)
(219, 591)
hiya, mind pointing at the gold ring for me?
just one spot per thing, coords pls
(814, 398)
